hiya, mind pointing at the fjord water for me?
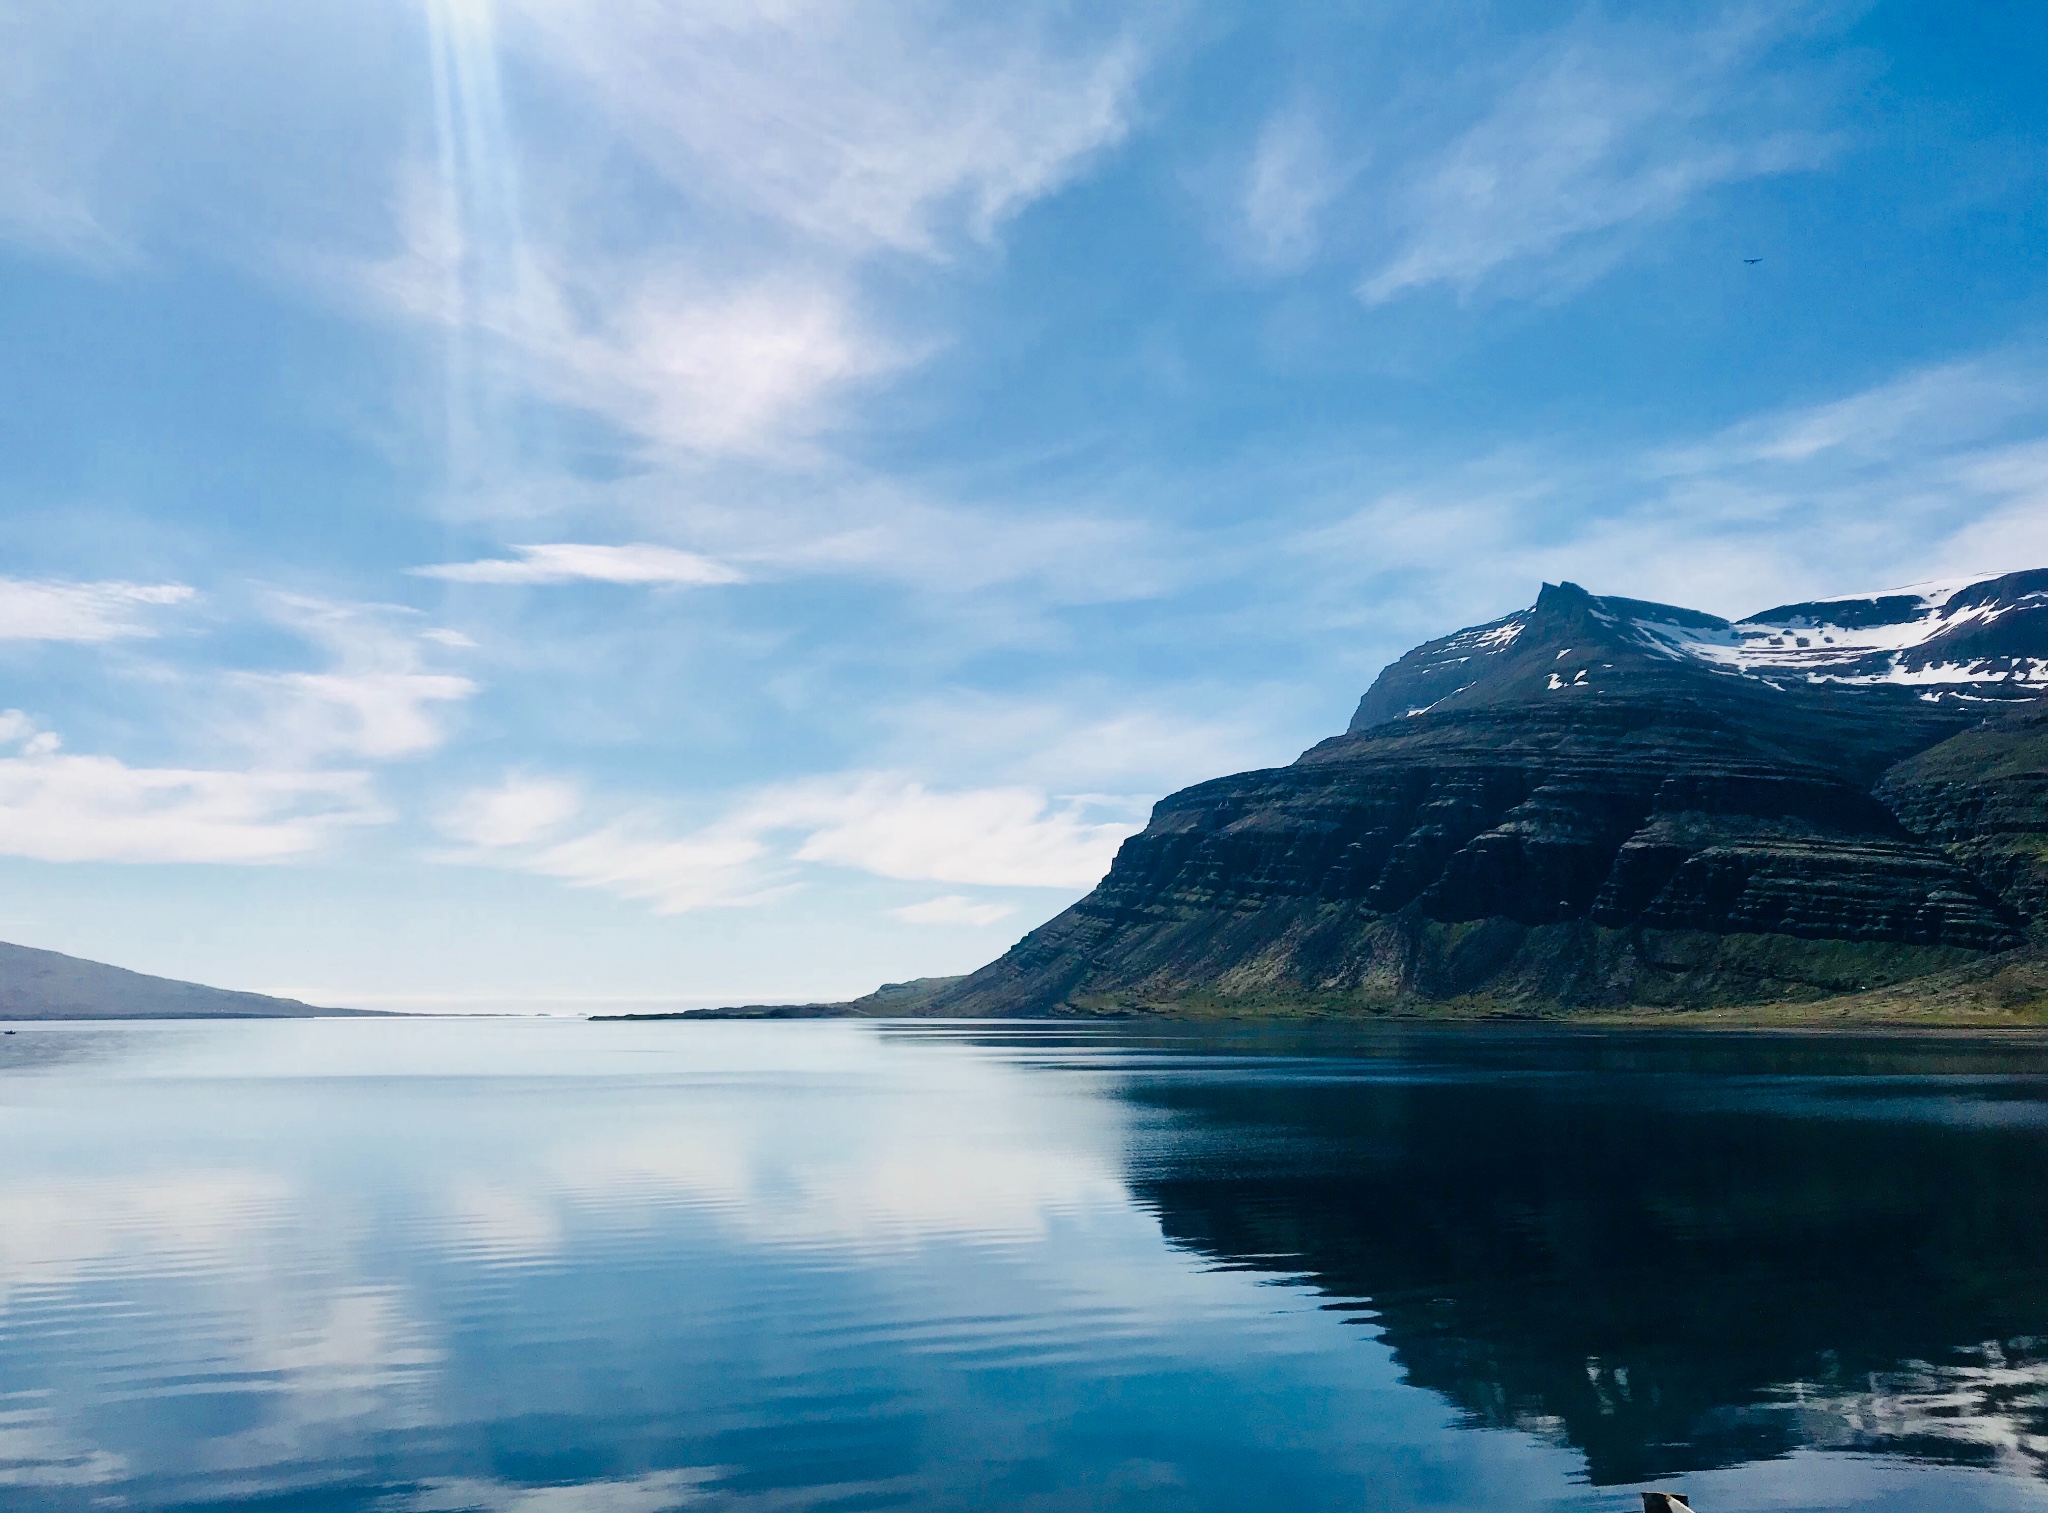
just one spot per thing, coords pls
(557, 1266)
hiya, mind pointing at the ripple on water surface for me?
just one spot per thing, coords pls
(554, 1266)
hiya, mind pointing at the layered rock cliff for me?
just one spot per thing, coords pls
(1598, 802)
(1982, 796)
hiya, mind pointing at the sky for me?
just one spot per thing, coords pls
(511, 505)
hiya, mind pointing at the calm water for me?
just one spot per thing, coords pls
(557, 1267)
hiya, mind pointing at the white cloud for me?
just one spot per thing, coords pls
(679, 355)
(799, 141)
(860, 126)
(51, 610)
(1613, 126)
(521, 823)
(380, 715)
(634, 860)
(1289, 185)
(738, 370)
(281, 795)
(882, 824)
(46, 153)
(651, 1492)
(518, 810)
(570, 562)
(1940, 472)
(1092, 735)
(1919, 415)
(1013, 836)
(58, 807)
(377, 698)
(952, 909)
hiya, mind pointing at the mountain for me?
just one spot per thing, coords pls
(49, 985)
(1600, 802)
(1963, 641)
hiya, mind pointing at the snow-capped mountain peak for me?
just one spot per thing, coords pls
(1981, 640)
(1984, 636)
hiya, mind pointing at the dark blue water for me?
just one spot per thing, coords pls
(560, 1267)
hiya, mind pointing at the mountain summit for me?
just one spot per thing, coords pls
(1599, 802)
(1965, 641)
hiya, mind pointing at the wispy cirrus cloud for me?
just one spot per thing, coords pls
(377, 697)
(805, 144)
(681, 359)
(895, 126)
(254, 764)
(1940, 471)
(878, 823)
(780, 157)
(289, 788)
(1925, 412)
(1605, 127)
(1088, 735)
(953, 909)
(725, 369)
(516, 811)
(572, 562)
(43, 609)
(61, 807)
(1288, 186)
(46, 150)
(1012, 836)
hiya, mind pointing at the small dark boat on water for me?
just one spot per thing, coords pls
(1665, 1502)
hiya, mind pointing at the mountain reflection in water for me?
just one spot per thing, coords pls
(1670, 1255)
(559, 1267)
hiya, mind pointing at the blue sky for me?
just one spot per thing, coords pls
(518, 502)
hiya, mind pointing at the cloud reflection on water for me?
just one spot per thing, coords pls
(532, 1267)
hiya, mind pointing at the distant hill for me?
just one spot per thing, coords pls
(1593, 804)
(50, 985)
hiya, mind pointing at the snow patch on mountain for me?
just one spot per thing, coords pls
(1955, 633)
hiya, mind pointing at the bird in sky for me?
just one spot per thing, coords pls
(1752, 260)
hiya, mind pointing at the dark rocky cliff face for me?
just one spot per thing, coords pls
(1982, 797)
(1597, 802)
